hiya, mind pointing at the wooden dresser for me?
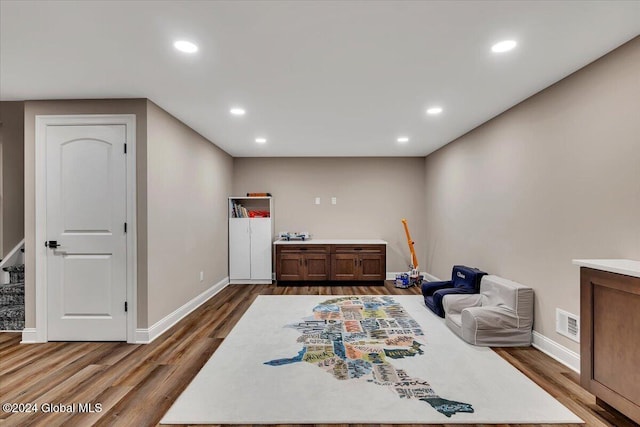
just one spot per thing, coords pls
(345, 260)
(610, 333)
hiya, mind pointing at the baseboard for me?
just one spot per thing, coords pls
(250, 282)
(146, 336)
(428, 277)
(562, 354)
(29, 336)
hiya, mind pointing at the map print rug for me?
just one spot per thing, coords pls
(356, 359)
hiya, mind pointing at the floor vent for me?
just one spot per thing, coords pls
(568, 324)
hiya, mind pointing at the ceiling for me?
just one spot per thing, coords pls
(317, 78)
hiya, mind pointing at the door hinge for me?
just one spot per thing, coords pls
(125, 148)
(126, 307)
(125, 227)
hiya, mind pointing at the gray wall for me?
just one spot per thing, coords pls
(373, 195)
(188, 182)
(555, 178)
(12, 172)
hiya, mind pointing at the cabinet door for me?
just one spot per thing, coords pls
(344, 266)
(372, 267)
(317, 266)
(260, 248)
(239, 249)
(290, 266)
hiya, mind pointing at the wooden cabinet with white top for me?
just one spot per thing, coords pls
(302, 262)
(610, 333)
(345, 260)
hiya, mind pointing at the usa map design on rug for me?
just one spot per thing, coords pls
(358, 337)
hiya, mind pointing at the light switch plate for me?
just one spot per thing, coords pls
(317, 200)
(334, 200)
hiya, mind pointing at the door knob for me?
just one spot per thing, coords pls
(52, 244)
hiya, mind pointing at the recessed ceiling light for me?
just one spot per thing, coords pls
(237, 111)
(185, 46)
(261, 140)
(402, 139)
(434, 110)
(504, 46)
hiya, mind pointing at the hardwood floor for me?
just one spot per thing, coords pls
(136, 384)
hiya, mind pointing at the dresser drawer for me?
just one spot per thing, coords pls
(304, 249)
(351, 249)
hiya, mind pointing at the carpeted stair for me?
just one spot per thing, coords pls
(12, 300)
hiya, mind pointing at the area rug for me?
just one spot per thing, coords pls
(356, 359)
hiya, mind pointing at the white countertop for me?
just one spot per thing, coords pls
(627, 267)
(331, 242)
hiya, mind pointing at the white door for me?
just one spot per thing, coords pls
(239, 249)
(261, 248)
(86, 196)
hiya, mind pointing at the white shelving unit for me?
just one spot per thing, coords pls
(250, 241)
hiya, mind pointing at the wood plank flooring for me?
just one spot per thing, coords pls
(136, 384)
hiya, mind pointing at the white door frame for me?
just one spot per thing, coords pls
(42, 121)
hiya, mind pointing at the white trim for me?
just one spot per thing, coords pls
(40, 254)
(250, 282)
(391, 275)
(29, 336)
(42, 121)
(431, 277)
(142, 336)
(567, 357)
(132, 229)
(146, 336)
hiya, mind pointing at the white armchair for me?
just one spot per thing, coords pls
(501, 315)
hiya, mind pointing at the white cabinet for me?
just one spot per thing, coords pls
(250, 240)
(239, 249)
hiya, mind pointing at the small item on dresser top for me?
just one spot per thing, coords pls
(258, 194)
(294, 235)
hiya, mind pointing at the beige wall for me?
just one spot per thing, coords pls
(555, 178)
(373, 195)
(188, 182)
(114, 106)
(12, 172)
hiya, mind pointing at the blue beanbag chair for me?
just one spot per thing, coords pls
(464, 280)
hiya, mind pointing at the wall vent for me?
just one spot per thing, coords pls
(568, 324)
